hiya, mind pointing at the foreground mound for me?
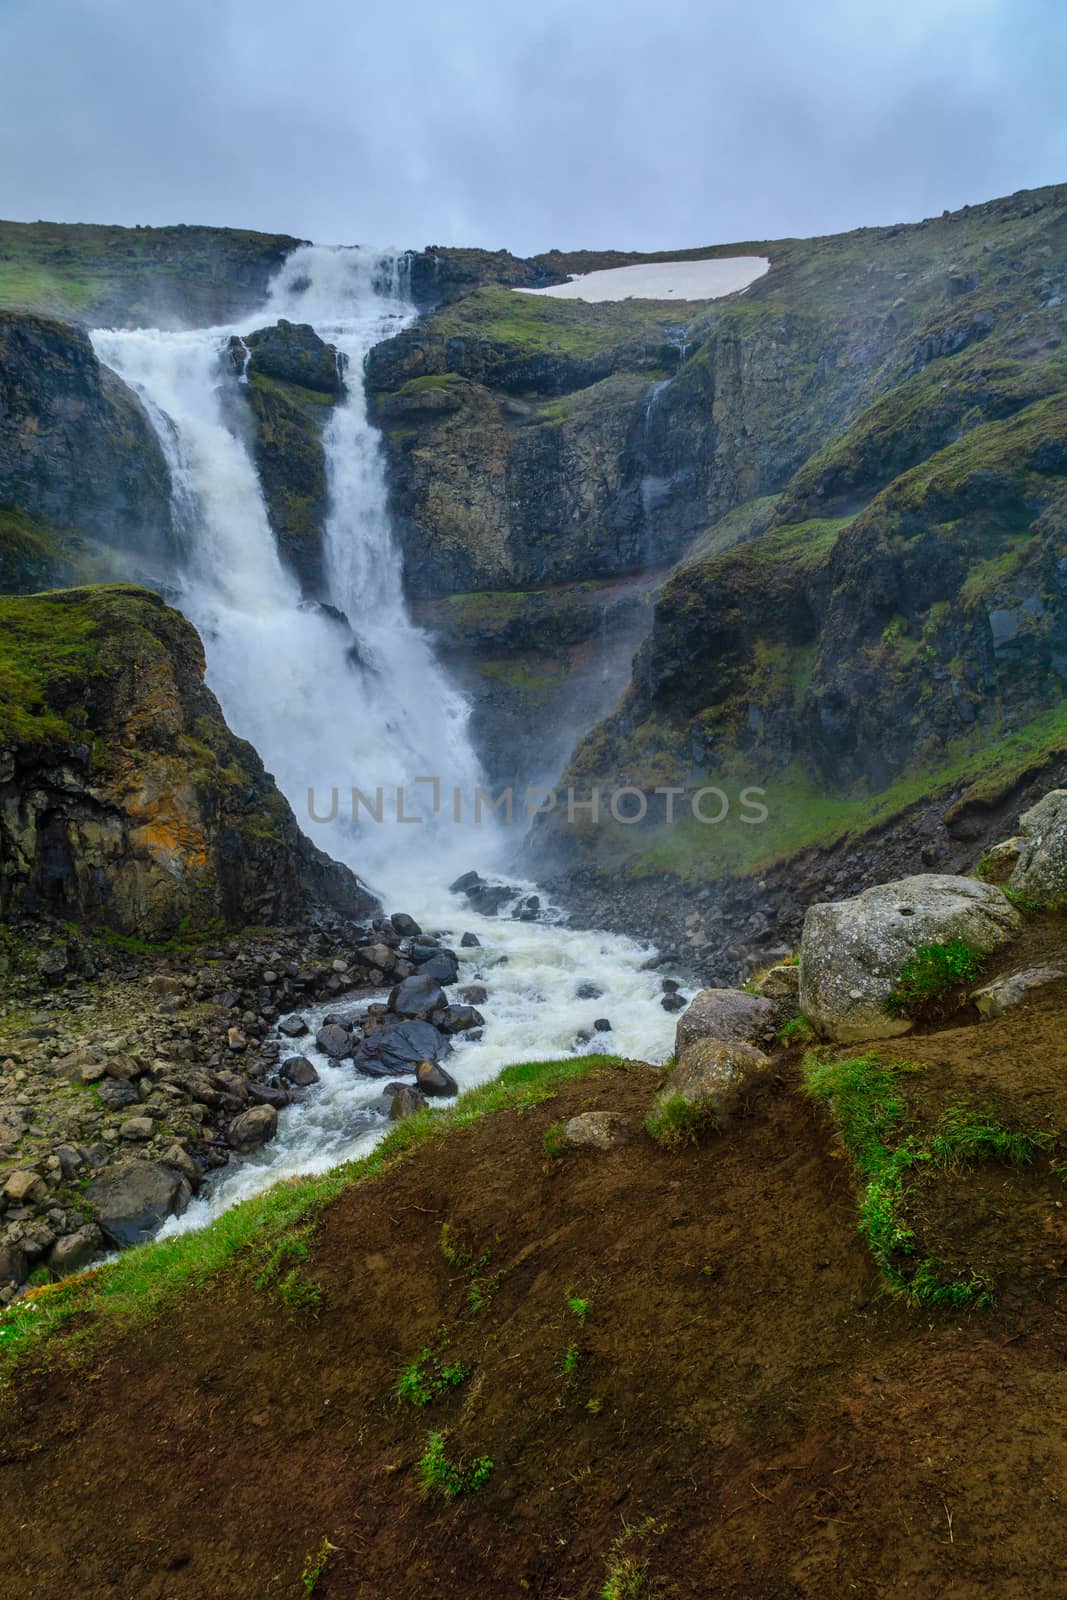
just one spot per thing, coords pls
(504, 1363)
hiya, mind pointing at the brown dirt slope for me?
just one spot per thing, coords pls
(746, 1400)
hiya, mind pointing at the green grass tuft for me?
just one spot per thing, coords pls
(677, 1121)
(930, 974)
(442, 1477)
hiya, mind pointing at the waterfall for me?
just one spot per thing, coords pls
(351, 694)
(329, 707)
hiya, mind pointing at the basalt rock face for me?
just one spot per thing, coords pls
(291, 381)
(80, 465)
(125, 800)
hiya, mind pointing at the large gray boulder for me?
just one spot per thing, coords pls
(729, 1015)
(130, 1205)
(1040, 874)
(851, 951)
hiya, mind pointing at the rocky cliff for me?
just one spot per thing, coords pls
(125, 800)
(81, 472)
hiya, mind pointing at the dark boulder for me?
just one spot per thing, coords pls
(404, 925)
(465, 881)
(419, 996)
(334, 1040)
(443, 967)
(589, 991)
(132, 1204)
(293, 1027)
(470, 941)
(400, 1049)
(458, 1019)
(298, 1070)
(432, 1078)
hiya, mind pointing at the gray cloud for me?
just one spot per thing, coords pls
(667, 123)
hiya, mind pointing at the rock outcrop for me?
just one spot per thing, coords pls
(124, 797)
(1040, 874)
(291, 380)
(80, 465)
(852, 951)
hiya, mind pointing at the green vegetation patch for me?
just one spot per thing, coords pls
(535, 324)
(428, 1376)
(253, 1235)
(444, 1478)
(866, 1098)
(930, 975)
(678, 1121)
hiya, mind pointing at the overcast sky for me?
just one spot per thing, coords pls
(560, 123)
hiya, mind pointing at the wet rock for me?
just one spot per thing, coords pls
(178, 1157)
(298, 1070)
(1006, 993)
(406, 1102)
(419, 996)
(432, 1078)
(596, 1130)
(852, 951)
(264, 1094)
(253, 1128)
(405, 926)
(458, 1019)
(466, 881)
(334, 1040)
(672, 1002)
(470, 941)
(728, 1015)
(588, 991)
(400, 1049)
(132, 1204)
(293, 1027)
(602, 1025)
(442, 967)
(74, 1251)
(376, 956)
(474, 994)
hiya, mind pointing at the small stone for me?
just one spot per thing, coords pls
(334, 1040)
(25, 1188)
(432, 1078)
(235, 1039)
(253, 1128)
(293, 1027)
(589, 991)
(597, 1130)
(474, 994)
(74, 1251)
(406, 1102)
(298, 1070)
(470, 941)
(602, 1025)
(137, 1129)
(1006, 993)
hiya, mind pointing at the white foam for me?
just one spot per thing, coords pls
(662, 280)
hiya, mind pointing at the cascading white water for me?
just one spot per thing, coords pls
(325, 715)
